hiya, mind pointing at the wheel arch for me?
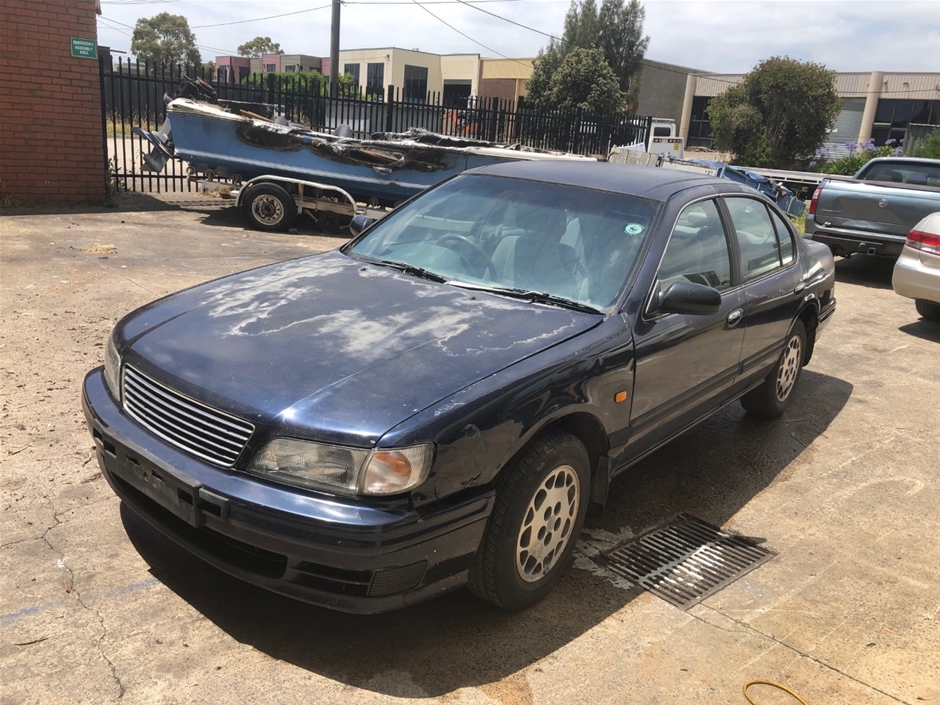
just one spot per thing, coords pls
(809, 316)
(588, 429)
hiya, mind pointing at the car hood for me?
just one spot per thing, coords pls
(335, 348)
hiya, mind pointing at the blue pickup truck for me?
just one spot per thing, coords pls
(874, 212)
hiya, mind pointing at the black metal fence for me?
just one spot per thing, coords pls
(133, 96)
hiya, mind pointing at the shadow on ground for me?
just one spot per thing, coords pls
(231, 217)
(865, 270)
(923, 329)
(455, 641)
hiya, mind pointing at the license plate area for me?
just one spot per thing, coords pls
(184, 498)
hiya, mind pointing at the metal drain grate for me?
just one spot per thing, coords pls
(687, 560)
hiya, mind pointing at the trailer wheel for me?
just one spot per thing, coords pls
(269, 207)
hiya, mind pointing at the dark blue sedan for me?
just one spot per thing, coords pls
(443, 400)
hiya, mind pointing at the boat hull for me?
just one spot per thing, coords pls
(388, 171)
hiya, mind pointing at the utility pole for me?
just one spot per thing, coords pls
(334, 51)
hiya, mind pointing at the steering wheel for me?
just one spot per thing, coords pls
(465, 246)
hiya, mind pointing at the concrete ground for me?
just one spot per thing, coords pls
(95, 606)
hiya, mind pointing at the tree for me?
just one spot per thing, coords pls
(616, 30)
(581, 27)
(581, 81)
(208, 70)
(620, 35)
(780, 112)
(165, 40)
(258, 46)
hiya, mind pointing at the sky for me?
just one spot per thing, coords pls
(723, 36)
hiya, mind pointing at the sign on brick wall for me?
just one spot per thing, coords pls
(84, 48)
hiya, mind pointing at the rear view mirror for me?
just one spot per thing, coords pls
(690, 299)
(360, 223)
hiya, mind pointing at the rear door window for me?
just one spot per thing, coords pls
(784, 236)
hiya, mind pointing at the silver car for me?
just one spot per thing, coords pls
(917, 272)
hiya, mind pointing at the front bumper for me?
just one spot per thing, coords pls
(331, 552)
(917, 275)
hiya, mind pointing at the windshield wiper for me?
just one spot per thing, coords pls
(540, 297)
(409, 269)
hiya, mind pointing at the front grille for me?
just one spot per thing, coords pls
(193, 427)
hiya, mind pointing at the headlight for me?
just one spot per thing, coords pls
(344, 470)
(112, 369)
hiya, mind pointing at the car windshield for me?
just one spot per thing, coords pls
(571, 244)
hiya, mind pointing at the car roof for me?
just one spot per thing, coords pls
(645, 181)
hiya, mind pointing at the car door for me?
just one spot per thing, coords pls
(686, 364)
(770, 279)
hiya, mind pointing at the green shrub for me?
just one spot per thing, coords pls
(929, 147)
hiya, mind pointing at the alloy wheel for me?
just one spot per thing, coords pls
(789, 368)
(547, 526)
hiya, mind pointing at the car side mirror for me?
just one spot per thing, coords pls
(360, 223)
(689, 299)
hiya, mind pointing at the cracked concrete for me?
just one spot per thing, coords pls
(96, 607)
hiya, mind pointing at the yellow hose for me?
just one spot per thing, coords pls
(772, 685)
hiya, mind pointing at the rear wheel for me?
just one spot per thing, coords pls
(928, 309)
(541, 502)
(770, 399)
(269, 207)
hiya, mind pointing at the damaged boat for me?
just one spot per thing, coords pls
(281, 169)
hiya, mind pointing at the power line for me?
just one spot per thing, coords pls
(259, 19)
(467, 36)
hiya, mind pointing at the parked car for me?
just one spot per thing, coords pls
(874, 213)
(917, 272)
(442, 400)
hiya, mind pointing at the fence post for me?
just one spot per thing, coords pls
(494, 114)
(109, 177)
(270, 79)
(389, 108)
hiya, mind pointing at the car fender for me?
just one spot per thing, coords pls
(480, 429)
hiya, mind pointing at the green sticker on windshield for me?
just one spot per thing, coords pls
(633, 228)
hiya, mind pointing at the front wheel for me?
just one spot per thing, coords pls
(770, 399)
(541, 502)
(269, 207)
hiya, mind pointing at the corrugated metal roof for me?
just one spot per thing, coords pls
(852, 85)
(714, 84)
(916, 86)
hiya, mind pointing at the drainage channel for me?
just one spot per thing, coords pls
(687, 560)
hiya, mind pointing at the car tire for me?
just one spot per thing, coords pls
(541, 501)
(269, 207)
(770, 399)
(928, 309)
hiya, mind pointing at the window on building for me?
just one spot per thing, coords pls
(223, 74)
(270, 68)
(415, 89)
(352, 69)
(243, 72)
(291, 69)
(700, 126)
(375, 80)
(894, 115)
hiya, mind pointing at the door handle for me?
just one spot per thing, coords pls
(735, 317)
(799, 287)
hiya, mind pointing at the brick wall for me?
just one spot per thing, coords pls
(502, 88)
(50, 105)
